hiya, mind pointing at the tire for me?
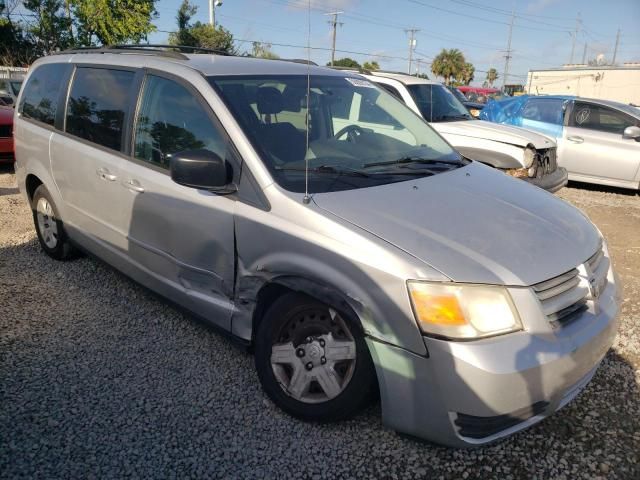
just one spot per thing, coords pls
(49, 226)
(336, 385)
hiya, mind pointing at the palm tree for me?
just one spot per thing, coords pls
(467, 73)
(448, 64)
(492, 76)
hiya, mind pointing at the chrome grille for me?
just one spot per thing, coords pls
(547, 161)
(565, 297)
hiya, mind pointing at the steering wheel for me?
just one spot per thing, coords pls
(352, 131)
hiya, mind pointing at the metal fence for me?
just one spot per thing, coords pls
(16, 73)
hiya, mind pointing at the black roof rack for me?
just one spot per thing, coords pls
(298, 60)
(172, 51)
(351, 69)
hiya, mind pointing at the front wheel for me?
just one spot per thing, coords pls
(312, 360)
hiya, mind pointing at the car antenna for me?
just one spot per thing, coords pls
(306, 199)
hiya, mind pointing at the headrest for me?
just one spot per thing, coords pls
(270, 100)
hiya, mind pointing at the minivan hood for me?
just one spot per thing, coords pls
(473, 224)
(494, 131)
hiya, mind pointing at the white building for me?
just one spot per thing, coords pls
(620, 83)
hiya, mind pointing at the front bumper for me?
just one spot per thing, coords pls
(551, 182)
(465, 394)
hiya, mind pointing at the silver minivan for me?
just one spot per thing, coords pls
(354, 261)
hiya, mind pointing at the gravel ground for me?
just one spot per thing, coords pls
(98, 378)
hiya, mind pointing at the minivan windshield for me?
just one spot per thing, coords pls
(359, 135)
(437, 103)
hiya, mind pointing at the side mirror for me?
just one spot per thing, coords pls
(202, 169)
(632, 133)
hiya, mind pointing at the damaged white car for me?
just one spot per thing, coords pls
(518, 152)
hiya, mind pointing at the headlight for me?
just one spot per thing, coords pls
(529, 157)
(475, 112)
(463, 311)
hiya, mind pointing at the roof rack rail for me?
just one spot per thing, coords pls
(351, 69)
(147, 49)
(180, 48)
(304, 61)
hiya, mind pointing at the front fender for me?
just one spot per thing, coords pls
(332, 263)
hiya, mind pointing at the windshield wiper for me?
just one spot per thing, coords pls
(408, 159)
(327, 169)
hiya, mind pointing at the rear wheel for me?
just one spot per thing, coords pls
(49, 227)
(312, 360)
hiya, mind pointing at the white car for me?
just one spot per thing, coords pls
(518, 152)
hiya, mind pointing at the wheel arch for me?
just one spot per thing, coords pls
(32, 182)
(281, 285)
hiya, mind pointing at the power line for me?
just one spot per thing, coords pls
(417, 2)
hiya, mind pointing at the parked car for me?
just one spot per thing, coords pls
(520, 153)
(6, 101)
(10, 88)
(474, 108)
(6, 134)
(598, 140)
(351, 257)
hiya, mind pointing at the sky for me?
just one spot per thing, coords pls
(542, 36)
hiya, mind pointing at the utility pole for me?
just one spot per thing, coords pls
(418, 62)
(412, 45)
(212, 15)
(507, 56)
(334, 24)
(575, 36)
(584, 53)
(615, 50)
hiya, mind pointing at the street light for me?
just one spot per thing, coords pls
(212, 14)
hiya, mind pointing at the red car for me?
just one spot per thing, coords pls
(6, 135)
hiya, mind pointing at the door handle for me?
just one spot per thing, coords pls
(134, 186)
(575, 139)
(104, 174)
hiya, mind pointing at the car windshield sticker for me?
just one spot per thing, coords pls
(582, 116)
(358, 82)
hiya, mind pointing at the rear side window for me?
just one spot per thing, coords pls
(97, 105)
(41, 93)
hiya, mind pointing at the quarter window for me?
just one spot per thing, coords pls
(171, 120)
(97, 105)
(41, 93)
(598, 117)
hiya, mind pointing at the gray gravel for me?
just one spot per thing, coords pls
(99, 378)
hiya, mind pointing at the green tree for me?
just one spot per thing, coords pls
(492, 76)
(345, 62)
(50, 29)
(371, 66)
(263, 50)
(200, 34)
(16, 49)
(467, 74)
(183, 35)
(108, 22)
(448, 64)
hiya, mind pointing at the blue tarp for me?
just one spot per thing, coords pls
(504, 111)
